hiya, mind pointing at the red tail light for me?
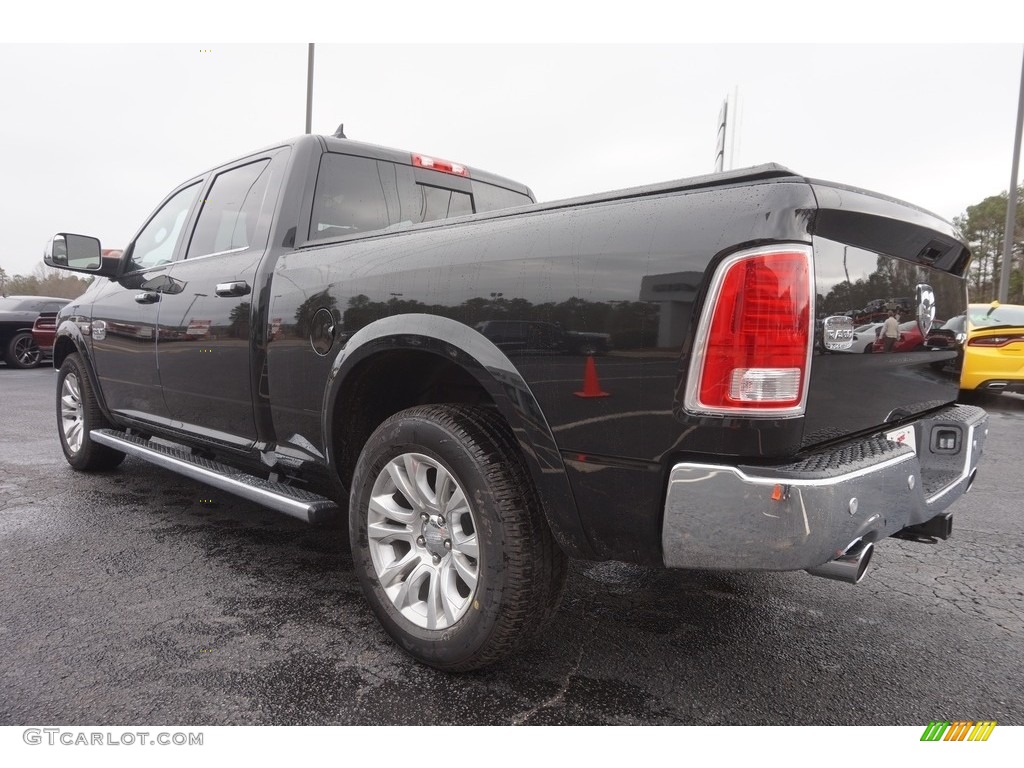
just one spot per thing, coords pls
(436, 164)
(995, 341)
(752, 351)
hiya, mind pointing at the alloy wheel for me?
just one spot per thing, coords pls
(27, 352)
(71, 413)
(423, 543)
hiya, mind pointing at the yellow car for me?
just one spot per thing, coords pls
(994, 352)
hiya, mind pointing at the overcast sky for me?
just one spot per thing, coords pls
(95, 136)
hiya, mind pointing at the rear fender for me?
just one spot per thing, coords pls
(496, 374)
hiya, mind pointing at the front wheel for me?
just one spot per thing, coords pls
(22, 351)
(448, 538)
(78, 413)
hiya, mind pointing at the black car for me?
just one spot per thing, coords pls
(17, 315)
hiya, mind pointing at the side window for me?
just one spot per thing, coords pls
(156, 243)
(228, 219)
(349, 197)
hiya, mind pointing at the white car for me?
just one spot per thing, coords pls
(864, 336)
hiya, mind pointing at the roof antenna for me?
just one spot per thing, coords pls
(340, 133)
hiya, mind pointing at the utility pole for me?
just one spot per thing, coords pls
(1011, 203)
(309, 92)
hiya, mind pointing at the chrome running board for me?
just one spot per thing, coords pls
(304, 505)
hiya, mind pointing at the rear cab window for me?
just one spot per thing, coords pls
(439, 203)
(355, 195)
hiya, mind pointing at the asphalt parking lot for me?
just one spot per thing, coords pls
(137, 597)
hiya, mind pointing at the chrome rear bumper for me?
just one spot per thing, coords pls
(802, 515)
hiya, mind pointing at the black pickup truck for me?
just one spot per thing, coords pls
(307, 327)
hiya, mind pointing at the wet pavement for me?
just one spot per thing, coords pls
(138, 597)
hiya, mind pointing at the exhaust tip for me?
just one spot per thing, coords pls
(865, 559)
(850, 567)
(996, 385)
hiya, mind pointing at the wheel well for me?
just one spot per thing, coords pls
(61, 349)
(387, 383)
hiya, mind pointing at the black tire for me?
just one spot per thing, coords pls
(520, 569)
(86, 455)
(22, 351)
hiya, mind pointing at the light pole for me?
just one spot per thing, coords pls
(189, 307)
(309, 92)
(1011, 203)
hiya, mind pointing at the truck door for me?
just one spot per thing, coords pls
(125, 312)
(206, 340)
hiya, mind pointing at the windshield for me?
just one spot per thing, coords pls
(985, 316)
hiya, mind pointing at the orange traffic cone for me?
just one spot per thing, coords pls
(591, 386)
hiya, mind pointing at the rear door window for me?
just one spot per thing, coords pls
(227, 221)
(349, 197)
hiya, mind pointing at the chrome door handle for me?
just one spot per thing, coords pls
(235, 288)
(147, 297)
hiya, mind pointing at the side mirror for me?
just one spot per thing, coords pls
(77, 253)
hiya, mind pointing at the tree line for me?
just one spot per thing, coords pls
(630, 324)
(44, 281)
(982, 227)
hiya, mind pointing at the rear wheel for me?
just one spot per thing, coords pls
(22, 351)
(448, 538)
(78, 413)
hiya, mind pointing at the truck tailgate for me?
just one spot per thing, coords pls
(873, 255)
